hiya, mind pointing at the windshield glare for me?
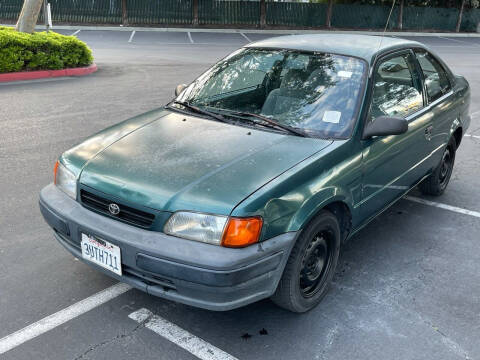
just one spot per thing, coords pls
(315, 92)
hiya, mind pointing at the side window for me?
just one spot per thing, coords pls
(396, 89)
(436, 79)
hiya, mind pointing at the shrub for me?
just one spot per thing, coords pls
(41, 51)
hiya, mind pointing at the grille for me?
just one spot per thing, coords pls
(127, 214)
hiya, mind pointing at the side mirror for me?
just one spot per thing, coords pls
(385, 125)
(179, 89)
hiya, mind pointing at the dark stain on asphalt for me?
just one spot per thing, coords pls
(263, 332)
(246, 336)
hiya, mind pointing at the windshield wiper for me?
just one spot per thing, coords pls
(198, 110)
(268, 122)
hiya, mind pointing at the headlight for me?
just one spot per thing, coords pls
(214, 229)
(65, 180)
(198, 227)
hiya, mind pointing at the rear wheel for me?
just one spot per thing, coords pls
(437, 182)
(311, 265)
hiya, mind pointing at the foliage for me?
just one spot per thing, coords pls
(41, 51)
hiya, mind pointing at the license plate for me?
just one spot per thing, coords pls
(102, 253)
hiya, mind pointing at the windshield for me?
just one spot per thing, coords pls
(316, 92)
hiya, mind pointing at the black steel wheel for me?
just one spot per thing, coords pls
(315, 262)
(446, 167)
(311, 265)
(437, 182)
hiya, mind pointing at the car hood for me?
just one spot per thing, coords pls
(176, 162)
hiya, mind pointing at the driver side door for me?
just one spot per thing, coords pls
(393, 164)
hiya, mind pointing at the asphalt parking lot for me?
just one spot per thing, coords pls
(407, 286)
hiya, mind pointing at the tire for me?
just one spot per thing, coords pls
(311, 265)
(437, 182)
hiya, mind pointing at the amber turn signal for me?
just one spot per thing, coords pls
(55, 169)
(241, 232)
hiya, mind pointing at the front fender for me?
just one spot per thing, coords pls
(292, 200)
(318, 201)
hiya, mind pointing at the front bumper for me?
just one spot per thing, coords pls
(190, 272)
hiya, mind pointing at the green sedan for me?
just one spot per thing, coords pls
(246, 185)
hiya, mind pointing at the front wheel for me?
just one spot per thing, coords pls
(437, 182)
(311, 265)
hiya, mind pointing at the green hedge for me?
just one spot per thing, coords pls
(41, 51)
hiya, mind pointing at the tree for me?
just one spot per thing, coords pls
(29, 16)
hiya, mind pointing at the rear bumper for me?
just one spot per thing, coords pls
(193, 273)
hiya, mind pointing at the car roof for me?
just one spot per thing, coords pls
(361, 46)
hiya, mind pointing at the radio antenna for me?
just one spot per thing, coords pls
(383, 34)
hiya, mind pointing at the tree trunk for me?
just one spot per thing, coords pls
(400, 15)
(195, 12)
(459, 19)
(263, 14)
(124, 13)
(29, 16)
(328, 21)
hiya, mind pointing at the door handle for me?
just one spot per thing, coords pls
(428, 132)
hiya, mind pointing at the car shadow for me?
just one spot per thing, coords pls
(379, 270)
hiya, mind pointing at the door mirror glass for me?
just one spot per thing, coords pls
(179, 89)
(385, 125)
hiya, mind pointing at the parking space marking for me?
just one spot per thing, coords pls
(246, 37)
(443, 206)
(190, 37)
(131, 36)
(187, 341)
(50, 322)
(75, 33)
(473, 136)
(459, 41)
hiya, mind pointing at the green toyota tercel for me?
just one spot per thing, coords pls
(245, 186)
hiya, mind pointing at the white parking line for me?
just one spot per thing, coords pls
(246, 37)
(193, 344)
(459, 41)
(475, 114)
(50, 322)
(76, 32)
(473, 136)
(443, 206)
(131, 36)
(190, 37)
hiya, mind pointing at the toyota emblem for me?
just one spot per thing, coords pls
(114, 209)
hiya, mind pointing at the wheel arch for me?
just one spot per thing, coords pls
(341, 210)
(457, 134)
(337, 203)
(456, 130)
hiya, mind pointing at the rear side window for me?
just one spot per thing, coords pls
(436, 78)
(397, 88)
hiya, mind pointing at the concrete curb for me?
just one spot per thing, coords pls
(34, 75)
(258, 31)
(252, 31)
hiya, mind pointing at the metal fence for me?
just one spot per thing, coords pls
(228, 12)
(251, 13)
(296, 14)
(147, 12)
(363, 16)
